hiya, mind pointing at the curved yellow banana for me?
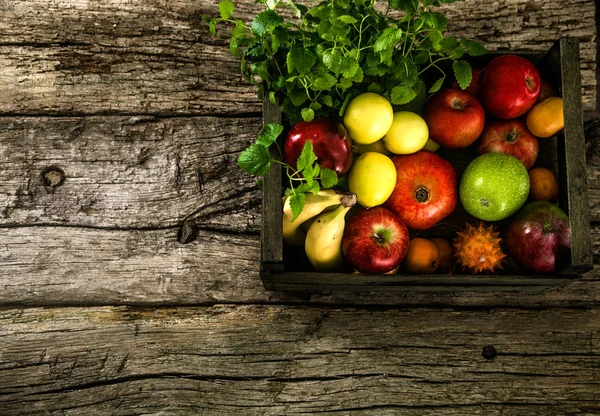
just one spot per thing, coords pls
(314, 205)
(323, 243)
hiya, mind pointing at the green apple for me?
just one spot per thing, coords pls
(494, 186)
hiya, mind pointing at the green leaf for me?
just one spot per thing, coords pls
(448, 44)
(298, 97)
(308, 114)
(226, 9)
(347, 19)
(272, 97)
(238, 32)
(301, 59)
(328, 178)
(315, 106)
(255, 160)
(473, 48)
(297, 204)
(212, 27)
(269, 134)
(299, 10)
(437, 85)
(333, 60)
(402, 95)
(307, 156)
(350, 67)
(462, 73)
(358, 76)
(327, 100)
(434, 20)
(324, 82)
(388, 39)
(345, 83)
(435, 36)
(404, 5)
(265, 22)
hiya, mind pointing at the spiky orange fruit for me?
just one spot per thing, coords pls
(478, 249)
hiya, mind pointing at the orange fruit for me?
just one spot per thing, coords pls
(422, 256)
(446, 250)
(546, 118)
(543, 185)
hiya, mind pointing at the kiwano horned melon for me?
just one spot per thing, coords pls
(478, 249)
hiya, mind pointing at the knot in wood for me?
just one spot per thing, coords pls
(489, 352)
(53, 176)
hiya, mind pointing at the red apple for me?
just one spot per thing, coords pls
(473, 87)
(454, 117)
(375, 240)
(539, 237)
(509, 136)
(331, 144)
(426, 189)
(546, 91)
(509, 86)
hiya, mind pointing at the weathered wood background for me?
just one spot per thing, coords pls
(105, 311)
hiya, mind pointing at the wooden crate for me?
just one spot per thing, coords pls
(287, 269)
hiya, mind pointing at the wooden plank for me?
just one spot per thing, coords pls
(127, 172)
(58, 265)
(85, 57)
(273, 360)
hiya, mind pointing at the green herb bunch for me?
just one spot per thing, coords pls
(315, 61)
(331, 52)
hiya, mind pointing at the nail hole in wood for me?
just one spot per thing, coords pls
(187, 233)
(53, 176)
(489, 352)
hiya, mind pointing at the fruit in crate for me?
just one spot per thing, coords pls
(543, 185)
(494, 186)
(425, 191)
(446, 250)
(546, 91)
(455, 118)
(478, 249)
(293, 232)
(331, 144)
(378, 147)
(407, 134)
(422, 256)
(323, 245)
(372, 178)
(375, 240)
(539, 237)
(509, 86)
(511, 137)
(368, 117)
(546, 118)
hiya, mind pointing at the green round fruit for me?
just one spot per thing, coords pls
(494, 186)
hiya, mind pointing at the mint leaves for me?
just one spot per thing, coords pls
(340, 48)
(307, 177)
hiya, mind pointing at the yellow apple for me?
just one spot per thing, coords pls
(368, 117)
(408, 133)
(372, 178)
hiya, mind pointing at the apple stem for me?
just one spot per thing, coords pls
(378, 238)
(548, 227)
(512, 136)
(422, 195)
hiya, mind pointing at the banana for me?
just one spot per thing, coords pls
(314, 204)
(323, 243)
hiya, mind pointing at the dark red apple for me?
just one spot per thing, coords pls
(539, 237)
(509, 136)
(375, 240)
(509, 86)
(546, 91)
(473, 87)
(331, 144)
(454, 117)
(426, 189)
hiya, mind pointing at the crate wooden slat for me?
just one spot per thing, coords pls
(564, 153)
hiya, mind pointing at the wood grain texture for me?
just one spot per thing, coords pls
(127, 172)
(157, 57)
(273, 360)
